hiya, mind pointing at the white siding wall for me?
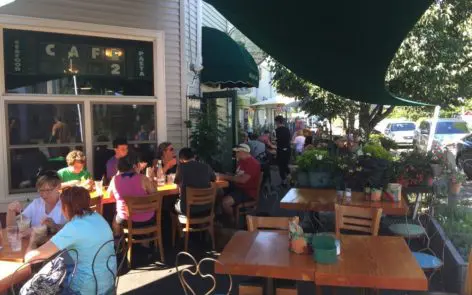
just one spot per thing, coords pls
(165, 15)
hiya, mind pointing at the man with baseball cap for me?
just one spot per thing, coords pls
(244, 183)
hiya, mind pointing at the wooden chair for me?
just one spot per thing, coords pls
(136, 205)
(96, 204)
(257, 222)
(200, 222)
(359, 219)
(267, 223)
(244, 208)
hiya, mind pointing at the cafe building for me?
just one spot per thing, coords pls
(77, 74)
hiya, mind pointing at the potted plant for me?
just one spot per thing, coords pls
(437, 160)
(303, 163)
(456, 179)
(348, 166)
(376, 194)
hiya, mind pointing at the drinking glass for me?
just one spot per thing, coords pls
(24, 224)
(14, 238)
(1, 236)
(170, 178)
(99, 188)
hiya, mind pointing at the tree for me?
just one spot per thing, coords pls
(434, 62)
(317, 101)
(433, 65)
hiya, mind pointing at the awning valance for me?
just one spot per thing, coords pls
(342, 46)
(225, 62)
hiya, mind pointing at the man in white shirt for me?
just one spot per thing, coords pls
(45, 210)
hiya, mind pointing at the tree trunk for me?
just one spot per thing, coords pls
(364, 117)
(370, 116)
(330, 120)
(351, 120)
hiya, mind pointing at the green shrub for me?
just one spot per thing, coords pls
(314, 159)
(377, 151)
(385, 142)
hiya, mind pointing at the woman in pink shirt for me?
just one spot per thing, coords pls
(130, 183)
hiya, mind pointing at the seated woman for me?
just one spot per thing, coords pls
(85, 232)
(75, 173)
(166, 153)
(43, 210)
(130, 183)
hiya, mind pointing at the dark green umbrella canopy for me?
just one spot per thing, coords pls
(225, 62)
(342, 46)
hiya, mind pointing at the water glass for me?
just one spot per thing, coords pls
(24, 224)
(347, 194)
(1, 237)
(99, 188)
(14, 238)
(170, 178)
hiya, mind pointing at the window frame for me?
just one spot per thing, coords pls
(157, 37)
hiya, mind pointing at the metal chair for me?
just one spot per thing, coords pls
(119, 247)
(197, 272)
(69, 275)
(199, 222)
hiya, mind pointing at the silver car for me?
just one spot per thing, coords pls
(448, 132)
(401, 132)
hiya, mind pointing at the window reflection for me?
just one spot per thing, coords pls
(26, 164)
(133, 122)
(45, 123)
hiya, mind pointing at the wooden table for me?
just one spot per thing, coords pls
(264, 254)
(365, 261)
(316, 200)
(166, 190)
(10, 261)
(381, 262)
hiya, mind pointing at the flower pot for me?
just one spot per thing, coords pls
(376, 195)
(455, 188)
(437, 169)
(303, 179)
(319, 179)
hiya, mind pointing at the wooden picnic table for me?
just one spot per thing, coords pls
(10, 261)
(169, 189)
(365, 261)
(316, 200)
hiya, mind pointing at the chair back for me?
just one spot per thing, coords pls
(259, 185)
(195, 270)
(468, 280)
(96, 204)
(258, 222)
(144, 204)
(358, 219)
(64, 253)
(119, 247)
(201, 197)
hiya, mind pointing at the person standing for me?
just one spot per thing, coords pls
(299, 142)
(120, 145)
(282, 135)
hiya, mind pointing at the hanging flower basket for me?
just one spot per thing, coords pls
(437, 169)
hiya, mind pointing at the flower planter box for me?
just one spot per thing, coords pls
(455, 267)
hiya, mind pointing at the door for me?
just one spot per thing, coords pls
(220, 109)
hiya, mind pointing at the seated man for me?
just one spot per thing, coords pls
(191, 173)
(258, 149)
(245, 182)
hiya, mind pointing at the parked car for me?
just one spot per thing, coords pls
(401, 132)
(464, 155)
(448, 133)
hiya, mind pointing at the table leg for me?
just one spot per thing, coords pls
(269, 287)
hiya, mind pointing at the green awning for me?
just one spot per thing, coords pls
(225, 62)
(342, 46)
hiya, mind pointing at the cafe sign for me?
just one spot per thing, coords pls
(38, 53)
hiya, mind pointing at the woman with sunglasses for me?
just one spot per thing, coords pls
(75, 173)
(166, 154)
(44, 210)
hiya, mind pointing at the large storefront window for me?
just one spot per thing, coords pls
(135, 122)
(51, 63)
(39, 138)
